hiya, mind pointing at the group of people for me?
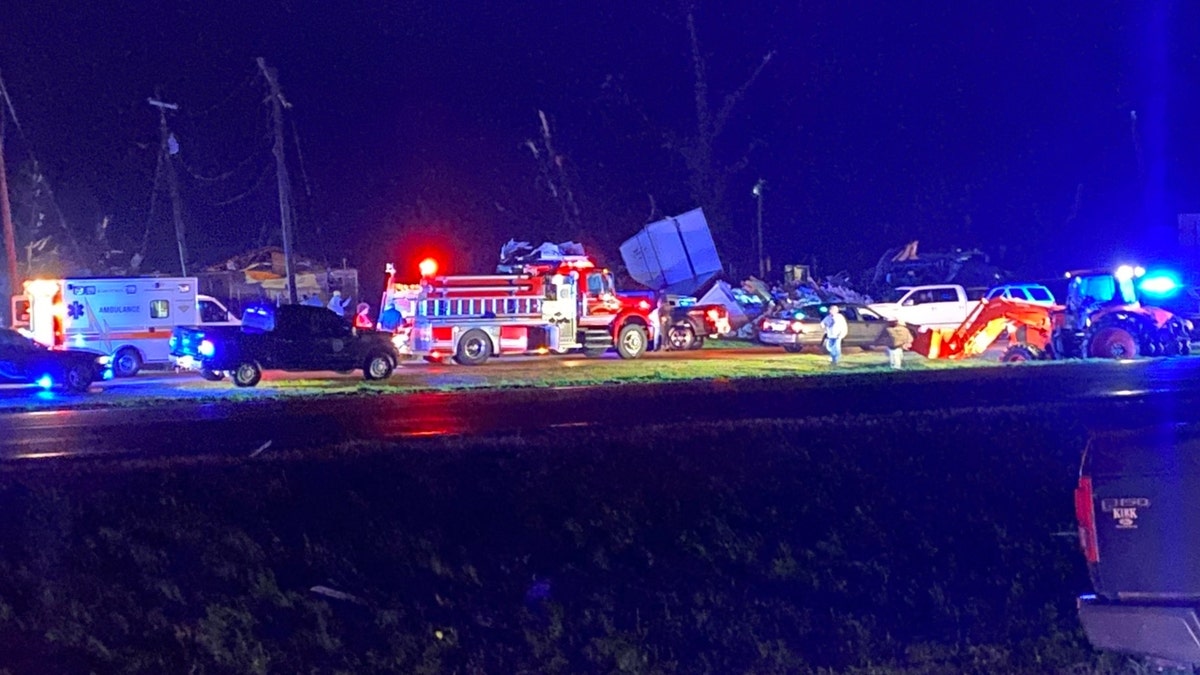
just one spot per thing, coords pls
(895, 339)
(389, 319)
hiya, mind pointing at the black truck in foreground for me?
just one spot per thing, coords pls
(291, 337)
(1138, 508)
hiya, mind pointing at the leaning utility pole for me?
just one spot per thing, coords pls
(172, 179)
(278, 103)
(10, 278)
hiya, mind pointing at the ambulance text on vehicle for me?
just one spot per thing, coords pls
(129, 319)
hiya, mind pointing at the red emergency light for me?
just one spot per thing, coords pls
(428, 267)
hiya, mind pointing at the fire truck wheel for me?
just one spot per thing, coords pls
(212, 375)
(474, 348)
(378, 367)
(793, 349)
(1113, 343)
(127, 362)
(631, 342)
(247, 374)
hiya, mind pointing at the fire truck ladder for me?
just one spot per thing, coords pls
(481, 307)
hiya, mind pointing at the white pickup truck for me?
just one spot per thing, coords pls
(940, 306)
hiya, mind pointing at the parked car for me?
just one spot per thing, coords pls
(796, 328)
(1138, 509)
(291, 337)
(74, 370)
(938, 306)
(1034, 293)
(689, 324)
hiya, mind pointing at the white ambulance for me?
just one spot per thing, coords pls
(129, 319)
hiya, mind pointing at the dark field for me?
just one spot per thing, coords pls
(915, 543)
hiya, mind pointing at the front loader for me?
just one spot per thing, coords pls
(1102, 318)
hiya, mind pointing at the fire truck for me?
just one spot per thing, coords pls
(548, 304)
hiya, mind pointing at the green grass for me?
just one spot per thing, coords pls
(917, 543)
(498, 374)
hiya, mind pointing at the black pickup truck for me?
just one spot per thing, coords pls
(1138, 508)
(291, 337)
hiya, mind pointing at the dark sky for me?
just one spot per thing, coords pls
(969, 124)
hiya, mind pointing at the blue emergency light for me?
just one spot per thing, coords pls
(1158, 283)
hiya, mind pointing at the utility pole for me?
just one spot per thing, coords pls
(278, 103)
(10, 277)
(168, 144)
(759, 187)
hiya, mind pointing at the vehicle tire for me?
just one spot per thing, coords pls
(127, 362)
(77, 379)
(212, 375)
(474, 348)
(1021, 354)
(1113, 343)
(247, 374)
(793, 349)
(681, 338)
(379, 366)
(631, 342)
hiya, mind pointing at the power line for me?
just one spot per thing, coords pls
(257, 184)
(226, 175)
(247, 83)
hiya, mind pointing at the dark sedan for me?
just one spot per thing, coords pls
(24, 360)
(796, 328)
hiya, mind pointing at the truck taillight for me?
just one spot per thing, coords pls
(796, 326)
(1085, 514)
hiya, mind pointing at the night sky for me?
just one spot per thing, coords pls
(959, 123)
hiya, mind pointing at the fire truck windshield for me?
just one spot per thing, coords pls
(599, 283)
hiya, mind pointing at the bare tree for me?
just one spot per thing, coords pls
(554, 174)
(709, 176)
(709, 168)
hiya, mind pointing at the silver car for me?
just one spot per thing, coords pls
(796, 328)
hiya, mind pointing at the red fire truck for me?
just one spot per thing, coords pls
(546, 306)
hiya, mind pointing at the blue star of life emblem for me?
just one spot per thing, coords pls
(75, 310)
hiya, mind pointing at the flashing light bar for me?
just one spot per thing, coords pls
(1159, 284)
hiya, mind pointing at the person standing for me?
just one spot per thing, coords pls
(337, 305)
(390, 318)
(896, 339)
(835, 331)
(362, 318)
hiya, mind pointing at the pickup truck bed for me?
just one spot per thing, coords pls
(1138, 507)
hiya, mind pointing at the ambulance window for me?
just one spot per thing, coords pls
(160, 309)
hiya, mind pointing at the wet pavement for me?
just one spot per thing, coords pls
(1169, 390)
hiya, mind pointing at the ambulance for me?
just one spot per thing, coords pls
(129, 319)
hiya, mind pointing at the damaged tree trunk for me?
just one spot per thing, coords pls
(709, 177)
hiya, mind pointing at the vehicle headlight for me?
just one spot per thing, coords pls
(103, 360)
(1188, 325)
(206, 348)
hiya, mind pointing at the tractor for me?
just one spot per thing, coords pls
(1102, 318)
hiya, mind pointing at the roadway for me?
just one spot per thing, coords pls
(1169, 390)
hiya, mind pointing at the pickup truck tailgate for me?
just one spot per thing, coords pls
(1146, 503)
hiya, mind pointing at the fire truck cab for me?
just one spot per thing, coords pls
(548, 306)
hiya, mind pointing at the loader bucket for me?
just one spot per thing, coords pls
(931, 343)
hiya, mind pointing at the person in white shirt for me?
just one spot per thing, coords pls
(835, 330)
